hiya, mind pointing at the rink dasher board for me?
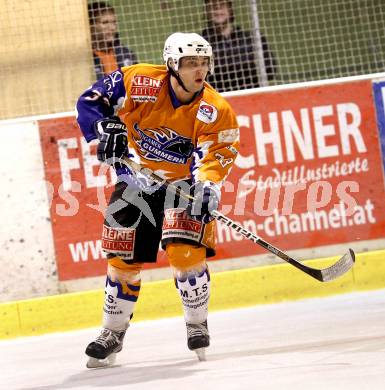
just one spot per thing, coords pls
(230, 289)
(32, 243)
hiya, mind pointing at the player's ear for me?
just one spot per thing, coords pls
(170, 64)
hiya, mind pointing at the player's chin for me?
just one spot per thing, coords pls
(198, 85)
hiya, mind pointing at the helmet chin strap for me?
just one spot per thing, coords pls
(178, 79)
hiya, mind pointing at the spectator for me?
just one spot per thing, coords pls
(109, 54)
(236, 64)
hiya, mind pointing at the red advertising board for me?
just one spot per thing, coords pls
(308, 174)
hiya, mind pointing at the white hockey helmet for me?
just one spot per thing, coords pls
(180, 45)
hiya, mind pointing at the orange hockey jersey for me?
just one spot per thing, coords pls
(198, 140)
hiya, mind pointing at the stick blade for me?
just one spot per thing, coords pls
(343, 265)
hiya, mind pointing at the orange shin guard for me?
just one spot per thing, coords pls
(185, 257)
(118, 263)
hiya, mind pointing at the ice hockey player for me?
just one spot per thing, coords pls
(169, 120)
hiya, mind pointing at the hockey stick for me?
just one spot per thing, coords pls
(323, 275)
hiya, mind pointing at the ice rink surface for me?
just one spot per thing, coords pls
(329, 343)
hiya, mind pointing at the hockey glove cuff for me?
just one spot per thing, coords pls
(207, 196)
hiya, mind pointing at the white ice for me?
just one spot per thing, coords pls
(329, 343)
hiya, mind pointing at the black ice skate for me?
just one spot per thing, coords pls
(103, 350)
(198, 338)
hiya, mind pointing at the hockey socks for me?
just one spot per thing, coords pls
(120, 295)
(194, 290)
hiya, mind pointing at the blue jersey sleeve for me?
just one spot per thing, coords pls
(102, 99)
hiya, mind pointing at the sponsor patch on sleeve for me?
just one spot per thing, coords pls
(228, 136)
(207, 113)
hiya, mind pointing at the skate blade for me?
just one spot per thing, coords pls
(201, 353)
(101, 363)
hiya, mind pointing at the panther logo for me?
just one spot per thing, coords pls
(163, 144)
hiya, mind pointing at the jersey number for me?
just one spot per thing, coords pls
(222, 160)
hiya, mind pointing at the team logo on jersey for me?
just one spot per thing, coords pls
(163, 144)
(207, 113)
(145, 89)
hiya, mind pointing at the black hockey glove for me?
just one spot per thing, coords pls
(207, 196)
(112, 135)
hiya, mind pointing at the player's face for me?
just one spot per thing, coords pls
(193, 72)
(218, 11)
(105, 27)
